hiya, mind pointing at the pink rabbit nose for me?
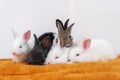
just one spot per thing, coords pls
(17, 55)
(48, 62)
(69, 60)
(14, 53)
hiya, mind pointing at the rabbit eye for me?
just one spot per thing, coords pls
(57, 40)
(20, 46)
(70, 37)
(69, 60)
(56, 57)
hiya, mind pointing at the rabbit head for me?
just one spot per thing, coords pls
(64, 33)
(20, 45)
(41, 48)
(79, 50)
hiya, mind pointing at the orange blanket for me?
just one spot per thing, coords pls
(78, 71)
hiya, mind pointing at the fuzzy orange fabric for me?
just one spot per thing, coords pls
(78, 71)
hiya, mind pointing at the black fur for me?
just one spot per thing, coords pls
(42, 47)
(65, 26)
(51, 34)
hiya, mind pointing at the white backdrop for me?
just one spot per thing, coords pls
(93, 18)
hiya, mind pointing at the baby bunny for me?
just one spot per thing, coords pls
(57, 54)
(61, 44)
(92, 50)
(64, 33)
(21, 46)
(41, 49)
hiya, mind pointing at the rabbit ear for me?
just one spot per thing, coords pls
(70, 27)
(59, 25)
(27, 35)
(36, 39)
(45, 41)
(66, 24)
(86, 44)
(14, 34)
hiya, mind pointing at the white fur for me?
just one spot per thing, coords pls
(57, 51)
(99, 50)
(21, 53)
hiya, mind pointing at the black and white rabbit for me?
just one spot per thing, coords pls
(41, 48)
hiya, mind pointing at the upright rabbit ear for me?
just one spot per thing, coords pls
(59, 25)
(45, 41)
(27, 35)
(86, 44)
(70, 27)
(36, 39)
(66, 24)
(14, 34)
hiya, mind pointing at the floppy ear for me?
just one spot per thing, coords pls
(86, 44)
(27, 35)
(70, 27)
(14, 34)
(45, 41)
(36, 40)
(59, 25)
(66, 24)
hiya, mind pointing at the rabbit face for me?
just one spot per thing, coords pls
(20, 46)
(64, 33)
(66, 41)
(74, 54)
(77, 52)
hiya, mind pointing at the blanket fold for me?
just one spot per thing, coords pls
(109, 70)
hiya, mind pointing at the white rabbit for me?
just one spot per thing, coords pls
(92, 50)
(21, 47)
(57, 54)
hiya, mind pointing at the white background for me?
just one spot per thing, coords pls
(93, 18)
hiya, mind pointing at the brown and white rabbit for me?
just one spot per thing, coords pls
(62, 44)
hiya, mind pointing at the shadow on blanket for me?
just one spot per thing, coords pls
(78, 71)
